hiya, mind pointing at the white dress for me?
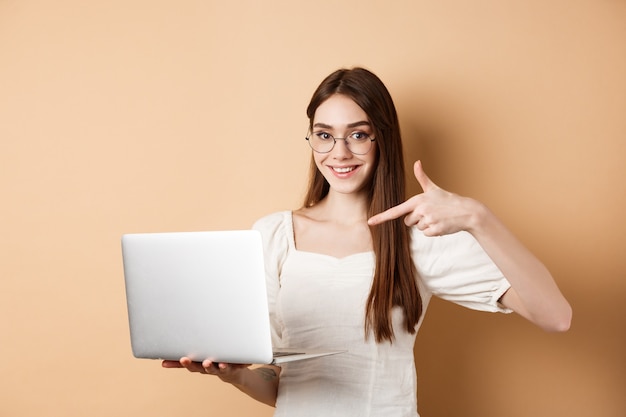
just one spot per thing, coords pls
(318, 302)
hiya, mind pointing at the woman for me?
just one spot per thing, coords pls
(355, 267)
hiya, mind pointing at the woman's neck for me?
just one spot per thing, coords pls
(344, 208)
(336, 226)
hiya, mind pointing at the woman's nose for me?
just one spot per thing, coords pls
(341, 150)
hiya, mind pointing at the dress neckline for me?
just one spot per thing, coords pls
(291, 236)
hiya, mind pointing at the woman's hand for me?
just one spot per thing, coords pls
(259, 383)
(227, 372)
(435, 212)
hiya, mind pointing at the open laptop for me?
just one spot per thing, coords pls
(201, 295)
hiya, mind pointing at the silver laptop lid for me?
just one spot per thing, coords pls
(197, 294)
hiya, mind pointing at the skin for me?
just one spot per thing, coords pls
(338, 226)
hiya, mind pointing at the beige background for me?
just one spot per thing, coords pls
(125, 116)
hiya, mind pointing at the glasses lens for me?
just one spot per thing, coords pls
(359, 143)
(321, 142)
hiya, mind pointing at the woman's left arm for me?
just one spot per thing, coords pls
(533, 293)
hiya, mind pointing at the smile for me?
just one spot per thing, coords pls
(343, 170)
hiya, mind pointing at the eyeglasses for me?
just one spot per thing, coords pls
(359, 143)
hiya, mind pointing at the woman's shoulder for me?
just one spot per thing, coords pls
(277, 234)
(273, 221)
(276, 228)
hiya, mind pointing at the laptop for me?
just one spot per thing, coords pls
(200, 295)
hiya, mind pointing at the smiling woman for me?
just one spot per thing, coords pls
(355, 268)
(345, 170)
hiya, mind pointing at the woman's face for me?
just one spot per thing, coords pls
(341, 117)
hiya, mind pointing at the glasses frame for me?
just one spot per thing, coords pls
(346, 140)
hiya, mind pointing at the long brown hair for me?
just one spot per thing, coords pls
(394, 281)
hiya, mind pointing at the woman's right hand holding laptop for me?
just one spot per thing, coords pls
(226, 371)
(260, 383)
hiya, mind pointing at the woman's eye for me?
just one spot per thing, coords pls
(359, 136)
(324, 136)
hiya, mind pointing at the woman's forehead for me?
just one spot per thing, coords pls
(339, 111)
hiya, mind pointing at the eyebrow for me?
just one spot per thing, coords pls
(350, 125)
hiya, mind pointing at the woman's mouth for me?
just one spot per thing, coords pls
(343, 170)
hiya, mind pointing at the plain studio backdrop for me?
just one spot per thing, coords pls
(138, 116)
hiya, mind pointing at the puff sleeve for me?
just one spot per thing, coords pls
(456, 268)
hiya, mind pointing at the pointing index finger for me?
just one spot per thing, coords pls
(390, 214)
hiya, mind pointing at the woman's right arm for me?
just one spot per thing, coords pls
(259, 383)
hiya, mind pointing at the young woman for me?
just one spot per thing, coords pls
(355, 267)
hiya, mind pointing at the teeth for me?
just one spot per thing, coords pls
(343, 170)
